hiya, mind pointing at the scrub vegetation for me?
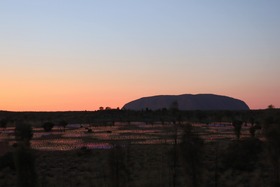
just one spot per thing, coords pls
(140, 148)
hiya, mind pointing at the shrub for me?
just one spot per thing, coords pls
(48, 126)
(23, 133)
(63, 124)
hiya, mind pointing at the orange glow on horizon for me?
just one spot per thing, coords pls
(90, 102)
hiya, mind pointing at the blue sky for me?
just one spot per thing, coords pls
(109, 52)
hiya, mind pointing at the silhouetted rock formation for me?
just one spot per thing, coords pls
(187, 102)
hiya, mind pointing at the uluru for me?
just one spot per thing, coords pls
(187, 102)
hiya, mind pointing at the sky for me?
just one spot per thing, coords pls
(80, 55)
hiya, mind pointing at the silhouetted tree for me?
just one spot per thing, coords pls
(108, 108)
(48, 126)
(24, 158)
(63, 124)
(3, 123)
(192, 151)
(237, 124)
(23, 133)
(270, 106)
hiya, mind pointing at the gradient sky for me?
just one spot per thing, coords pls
(80, 55)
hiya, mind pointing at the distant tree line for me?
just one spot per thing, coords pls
(109, 117)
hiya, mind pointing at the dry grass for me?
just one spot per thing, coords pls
(147, 157)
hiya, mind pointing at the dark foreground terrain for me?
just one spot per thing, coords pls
(184, 149)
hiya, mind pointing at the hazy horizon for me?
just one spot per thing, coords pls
(74, 56)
